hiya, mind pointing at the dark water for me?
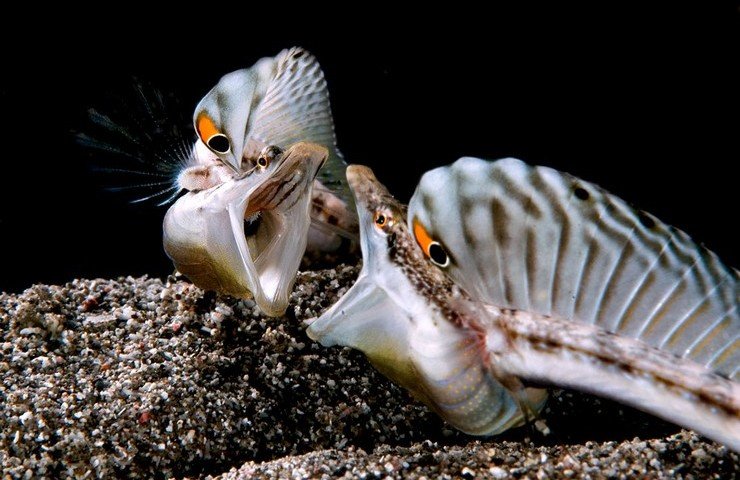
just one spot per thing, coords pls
(644, 103)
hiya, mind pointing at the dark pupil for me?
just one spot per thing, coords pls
(219, 143)
(262, 162)
(437, 253)
(380, 220)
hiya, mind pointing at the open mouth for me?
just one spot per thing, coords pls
(250, 233)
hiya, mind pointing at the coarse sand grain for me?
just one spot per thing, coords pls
(137, 377)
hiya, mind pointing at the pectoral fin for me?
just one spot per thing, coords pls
(583, 357)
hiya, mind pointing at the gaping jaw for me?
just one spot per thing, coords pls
(246, 237)
(383, 311)
(367, 317)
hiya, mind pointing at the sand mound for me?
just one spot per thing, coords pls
(139, 377)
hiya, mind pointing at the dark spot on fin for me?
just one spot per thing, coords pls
(500, 219)
(298, 54)
(645, 219)
(581, 193)
(532, 209)
(626, 367)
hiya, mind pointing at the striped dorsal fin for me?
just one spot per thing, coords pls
(535, 239)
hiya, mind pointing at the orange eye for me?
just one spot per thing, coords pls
(430, 247)
(380, 219)
(207, 131)
(268, 154)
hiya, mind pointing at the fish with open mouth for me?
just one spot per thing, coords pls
(246, 236)
(279, 101)
(297, 200)
(474, 354)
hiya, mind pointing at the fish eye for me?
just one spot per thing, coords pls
(219, 143)
(431, 248)
(383, 219)
(268, 155)
(437, 254)
(209, 134)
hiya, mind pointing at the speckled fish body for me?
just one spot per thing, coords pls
(278, 101)
(246, 236)
(470, 360)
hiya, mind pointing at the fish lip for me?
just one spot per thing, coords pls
(319, 327)
(367, 190)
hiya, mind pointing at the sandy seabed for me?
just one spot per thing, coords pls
(137, 377)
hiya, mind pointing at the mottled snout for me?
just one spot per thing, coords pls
(368, 191)
(308, 152)
(359, 177)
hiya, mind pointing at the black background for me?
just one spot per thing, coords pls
(642, 102)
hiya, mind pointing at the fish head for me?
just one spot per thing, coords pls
(381, 219)
(279, 101)
(223, 116)
(383, 308)
(246, 236)
(412, 322)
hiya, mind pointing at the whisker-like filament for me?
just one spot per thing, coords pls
(145, 126)
(87, 141)
(158, 194)
(132, 172)
(140, 185)
(105, 122)
(172, 197)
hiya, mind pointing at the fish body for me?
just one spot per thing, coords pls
(472, 361)
(246, 236)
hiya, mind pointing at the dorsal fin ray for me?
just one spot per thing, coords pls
(535, 239)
